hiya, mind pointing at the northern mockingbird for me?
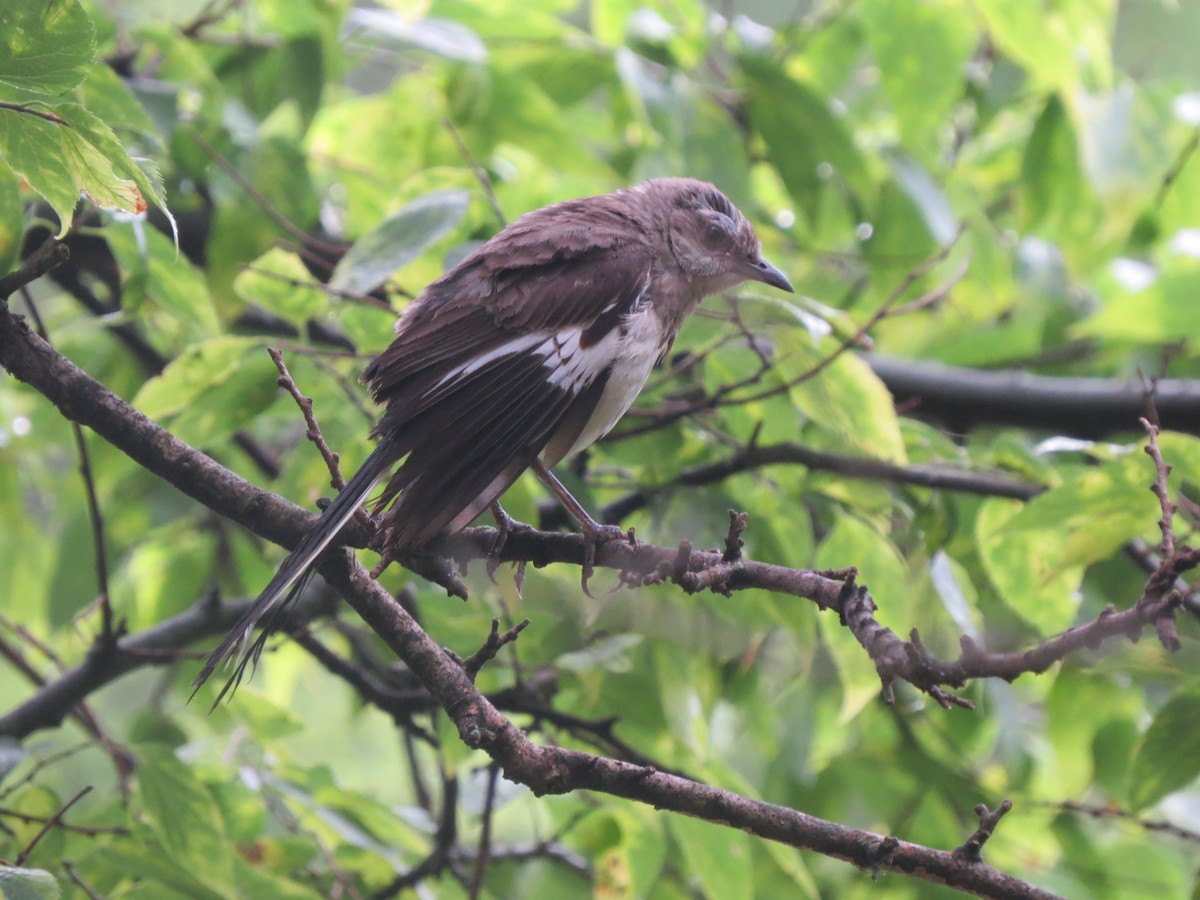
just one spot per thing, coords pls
(525, 352)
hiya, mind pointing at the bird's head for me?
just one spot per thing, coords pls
(709, 237)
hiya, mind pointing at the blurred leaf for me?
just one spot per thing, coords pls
(231, 403)
(108, 98)
(185, 818)
(279, 283)
(802, 135)
(156, 869)
(445, 38)
(39, 803)
(194, 373)
(922, 49)
(27, 884)
(1158, 311)
(398, 240)
(266, 720)
(1027, 567)
(718, 857)
(155, 274)
(252, 881)
(846, 399)
(928, 197)
(12, 225)
(1054, 188)
(46, 46)
(852, 541)
(1097, 512)
(609, 652)
(1156, 41)
(1168, 757)
(1059, 46)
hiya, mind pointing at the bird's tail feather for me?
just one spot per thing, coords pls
(294, 573)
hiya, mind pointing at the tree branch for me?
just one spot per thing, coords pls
(963, 399)
(480, 725)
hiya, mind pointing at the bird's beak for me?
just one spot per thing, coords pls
(761, 270)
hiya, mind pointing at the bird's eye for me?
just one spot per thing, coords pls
(718, 231)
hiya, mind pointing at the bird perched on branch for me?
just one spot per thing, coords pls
(524, 353)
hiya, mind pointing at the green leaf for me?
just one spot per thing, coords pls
(1097, 511)
(1168, 757)
(230, 404)
(922, 50)
(266, 720)
(803, 136)
(1054, 190)
(1156, 307)
(155, 274)
(1027, 567)
(194, 372)
(252, 881)
(278, 282)
(1058, 45)
(185, 817)
(64, 151)
(107, 97)
(28, 884)
(398, 240)
(853, 541)
(716, 855)
(157, 869)
(442, 37)
(642, 848)
(846, 399)
(45, 45)
(927, 196)
(12, 225)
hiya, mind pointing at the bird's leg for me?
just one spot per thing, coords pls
(505, 525)
(594, 534)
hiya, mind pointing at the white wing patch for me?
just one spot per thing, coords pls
(628, 353)
(572, 368)
(569, 366)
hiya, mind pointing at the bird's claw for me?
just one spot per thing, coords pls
(505, 525)
(594, 538)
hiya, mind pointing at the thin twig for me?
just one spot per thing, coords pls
(1113, 812)
(491, 646)
(1172, 174)
(314, 285)
(480, 173)
(90, 831)
(28, 110)
(42, 764)
(1162, 470)
(210, 14)
(79, 882)
(988, 820)
(257, 196)
(107, 632)
(485, 833)
(50, 823)
(313, 432)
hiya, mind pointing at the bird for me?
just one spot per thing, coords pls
(527, 351)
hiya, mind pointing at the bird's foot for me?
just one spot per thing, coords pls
(595, 535)
(505, 525)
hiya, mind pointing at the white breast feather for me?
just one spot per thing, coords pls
(632, 358)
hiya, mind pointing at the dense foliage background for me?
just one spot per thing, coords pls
(992, 184)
